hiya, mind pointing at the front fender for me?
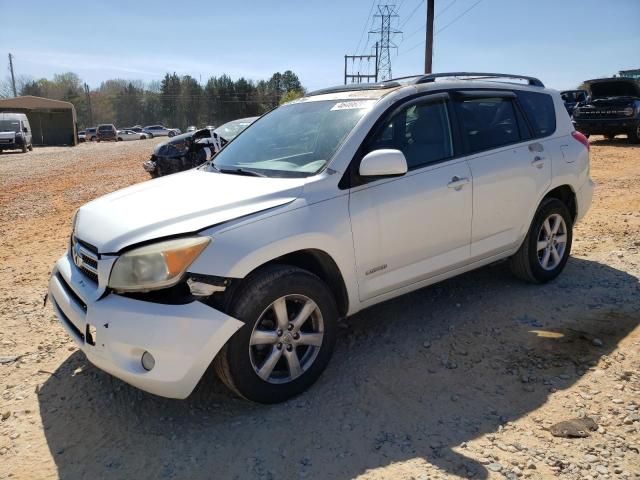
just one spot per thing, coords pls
(324, 226)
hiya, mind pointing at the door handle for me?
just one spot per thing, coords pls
(457, 182)
(538, 161)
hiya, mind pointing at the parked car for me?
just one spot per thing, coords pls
(191, 149)
(135, 128)
(106, 132)
(192, 128)
(91, 134)
(573, 98)
(126, 135)
(613, 109)
(82, 136)
(15, 132)
(160, 131)
(322, 207)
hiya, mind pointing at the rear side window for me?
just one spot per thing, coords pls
(538, 107)
(488, 122)
(421, 131)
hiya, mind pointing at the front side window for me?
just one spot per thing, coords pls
(488, 122)
(421, 131)
(294, 140)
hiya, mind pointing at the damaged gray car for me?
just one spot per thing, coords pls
(191, 149)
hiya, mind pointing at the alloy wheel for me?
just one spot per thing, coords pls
(552, 242)
(286, 339)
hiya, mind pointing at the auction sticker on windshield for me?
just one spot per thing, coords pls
(355, 104)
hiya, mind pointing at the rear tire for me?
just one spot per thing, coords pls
(171, 134)
(547, 246)
(31, 148)
(273, 357)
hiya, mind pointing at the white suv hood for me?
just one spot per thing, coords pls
(180, 203)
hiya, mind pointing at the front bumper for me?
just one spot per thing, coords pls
(605, 126)
(114, 331)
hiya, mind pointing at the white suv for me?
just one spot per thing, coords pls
(326, 205)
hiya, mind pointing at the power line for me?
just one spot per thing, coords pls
(458, 17)
(446, 8)
(420, 3)
(373, 3)
(422, 42)
(421, 28)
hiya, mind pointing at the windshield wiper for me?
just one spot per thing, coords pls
(239, 171)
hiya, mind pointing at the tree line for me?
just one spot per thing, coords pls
(175, 101)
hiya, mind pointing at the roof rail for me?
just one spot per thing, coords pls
(355, 86)
(431, 77)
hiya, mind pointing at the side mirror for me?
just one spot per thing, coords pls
(25, 130)
(383, 163)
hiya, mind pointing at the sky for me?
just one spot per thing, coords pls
(562, 42)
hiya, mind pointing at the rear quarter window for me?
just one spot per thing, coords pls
(539, 109)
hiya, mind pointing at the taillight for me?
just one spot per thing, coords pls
(581, 138)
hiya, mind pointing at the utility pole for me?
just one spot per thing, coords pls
(86, 92)
(386, 14)
(359, 77)
(428, 46)
(13, 77)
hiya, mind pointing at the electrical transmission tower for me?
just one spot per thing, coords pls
(387, 14)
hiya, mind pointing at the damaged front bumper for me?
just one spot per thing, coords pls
(115, 331)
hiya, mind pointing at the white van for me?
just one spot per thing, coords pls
(15, 132)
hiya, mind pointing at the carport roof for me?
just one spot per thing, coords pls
(31, 102)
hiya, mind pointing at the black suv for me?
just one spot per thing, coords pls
(613, 109)
(107, 131)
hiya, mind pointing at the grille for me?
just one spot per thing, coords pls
(85, 259)
(602, 113)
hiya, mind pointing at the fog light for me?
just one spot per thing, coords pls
(148, 362)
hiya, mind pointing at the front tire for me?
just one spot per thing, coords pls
(171, 134)
(546, 248)
(634, 135)
(24, 148)
(290, 328)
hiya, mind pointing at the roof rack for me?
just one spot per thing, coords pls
(355, 86)
(479, 76)
(417, 79)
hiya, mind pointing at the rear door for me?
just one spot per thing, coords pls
(409, 228)
(510, 168)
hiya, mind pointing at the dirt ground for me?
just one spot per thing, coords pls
(461, 379)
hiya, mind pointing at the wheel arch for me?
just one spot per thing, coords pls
(566, 195)
(321, 264)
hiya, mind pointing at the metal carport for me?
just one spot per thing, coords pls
(53, 122)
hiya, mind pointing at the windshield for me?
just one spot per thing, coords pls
(9, 126)
(294, 140)
(230, 130)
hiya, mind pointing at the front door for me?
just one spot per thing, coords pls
(409, 228)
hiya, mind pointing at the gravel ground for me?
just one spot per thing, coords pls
(461, 379)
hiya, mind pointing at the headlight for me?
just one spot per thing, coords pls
(576, 112)
(155, 266)
(628, 111)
